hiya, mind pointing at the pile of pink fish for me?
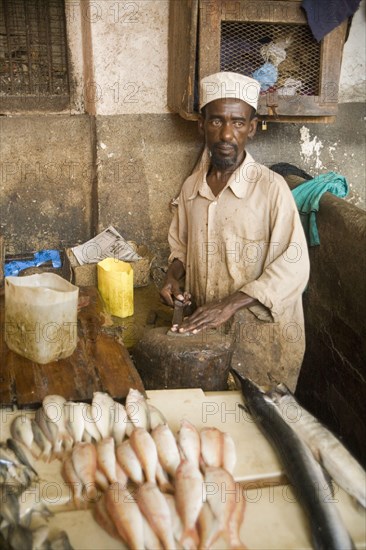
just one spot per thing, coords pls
(146, 486)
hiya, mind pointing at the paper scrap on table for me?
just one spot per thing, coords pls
(108, 244)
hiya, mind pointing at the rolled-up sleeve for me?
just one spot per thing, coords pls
(286, 268)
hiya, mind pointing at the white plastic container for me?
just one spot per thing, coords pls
(41, 316)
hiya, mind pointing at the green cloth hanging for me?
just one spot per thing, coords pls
(307, 197)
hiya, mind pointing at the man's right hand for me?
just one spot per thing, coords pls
(171, 290)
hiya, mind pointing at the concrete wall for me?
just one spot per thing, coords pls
(46, 176)
(332, 382)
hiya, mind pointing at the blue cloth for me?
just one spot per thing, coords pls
(325, 15)
(307, 197)
(41, 257)
(266, 75)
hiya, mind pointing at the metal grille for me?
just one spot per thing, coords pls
(33, 48)
(242, 44)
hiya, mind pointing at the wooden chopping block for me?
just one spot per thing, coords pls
(170, 361)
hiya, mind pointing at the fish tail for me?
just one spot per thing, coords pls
(67, 441)
(35, 450)
(46, 455)
(216, 534)
(189, 539)
(91, 492)
(238, 545)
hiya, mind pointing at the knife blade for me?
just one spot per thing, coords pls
(178, 313)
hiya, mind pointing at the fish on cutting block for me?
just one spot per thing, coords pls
(137, 410)
(167, 448)
(154, 507)
(144, 446)
(84, 460)
(129, 462)
(189, 498)
(126, 516)
(189, 442)
(102, 410)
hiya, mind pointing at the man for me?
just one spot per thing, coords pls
(237, 239)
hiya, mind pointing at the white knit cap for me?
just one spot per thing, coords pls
(227, 85)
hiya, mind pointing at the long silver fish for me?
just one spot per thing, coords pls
(304, 472)
(325, 446)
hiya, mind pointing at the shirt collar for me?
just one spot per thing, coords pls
(237, 182)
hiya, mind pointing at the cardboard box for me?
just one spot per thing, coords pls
(86, 275)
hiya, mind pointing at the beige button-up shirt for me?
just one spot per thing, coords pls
(249, 238)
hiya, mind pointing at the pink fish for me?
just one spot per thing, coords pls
(84, 459)
(229, 453)
(189, 442)
(143, 445)
(212, 446)
(156, 417)
(222, 495)
(106, 457)
(167, 448)
(102, 410)
(101, 480)
(119, 422)
(163, 480)
(153, 505)
(129, 462)
(236, 520)
(126, 516)
(152, 542)
(207, 524)
(72, 479)
(189, 498)
(90, 427)
(137, 410)
(74, 419)
(176, 521)
(103, 518)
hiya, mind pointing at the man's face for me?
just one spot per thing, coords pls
(226, 126)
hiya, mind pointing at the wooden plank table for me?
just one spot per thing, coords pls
(273, 519)
(99, 363)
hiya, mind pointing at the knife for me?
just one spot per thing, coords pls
(178, 313)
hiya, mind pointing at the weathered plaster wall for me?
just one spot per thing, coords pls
(130, 56)
(45, 181)
(352, 84)
(320, 148)
(142, 161)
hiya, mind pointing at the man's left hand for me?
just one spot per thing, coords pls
(214, 314)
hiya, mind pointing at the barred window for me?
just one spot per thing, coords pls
(33, 55)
